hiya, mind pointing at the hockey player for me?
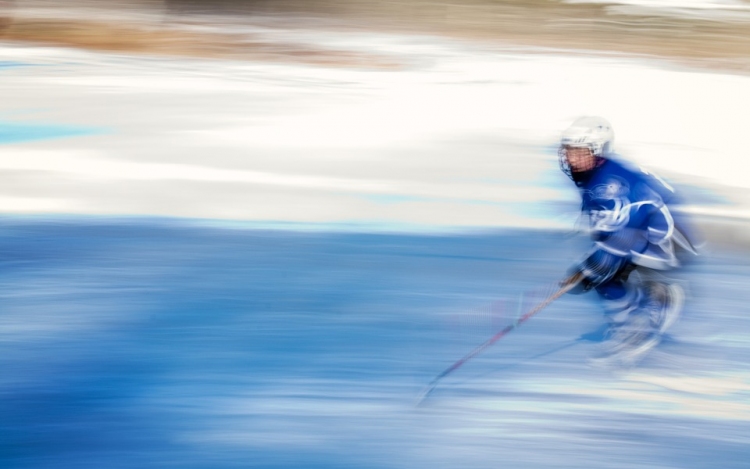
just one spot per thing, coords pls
(636, 238)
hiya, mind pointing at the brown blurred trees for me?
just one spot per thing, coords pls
(229, 7)
(6, 14)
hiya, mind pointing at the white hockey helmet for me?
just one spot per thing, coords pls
(594, 133)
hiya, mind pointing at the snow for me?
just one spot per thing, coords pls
(424, 143)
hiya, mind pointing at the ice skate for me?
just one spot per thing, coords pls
(627, 343)
(665, 305)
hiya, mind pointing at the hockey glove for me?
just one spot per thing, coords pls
(582, 284)
(598, 268)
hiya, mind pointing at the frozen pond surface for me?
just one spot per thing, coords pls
(163, 344)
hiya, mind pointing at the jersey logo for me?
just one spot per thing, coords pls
(615, 212)
(611, 189)
(612, 219)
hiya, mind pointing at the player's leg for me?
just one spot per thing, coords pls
(630, 326)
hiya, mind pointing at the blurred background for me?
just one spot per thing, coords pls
(248, 233)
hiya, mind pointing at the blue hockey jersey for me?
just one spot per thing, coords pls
(630, 217)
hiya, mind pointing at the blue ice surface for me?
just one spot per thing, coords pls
(155, 343)
(15, 132)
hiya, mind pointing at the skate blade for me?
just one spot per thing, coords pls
(677, 297)
(625, 357)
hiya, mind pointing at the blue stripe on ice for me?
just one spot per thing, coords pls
(9, 64)
(15, 132)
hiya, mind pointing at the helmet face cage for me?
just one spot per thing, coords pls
(562, 158)
(594, 133)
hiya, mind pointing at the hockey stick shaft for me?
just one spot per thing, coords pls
(567, 285)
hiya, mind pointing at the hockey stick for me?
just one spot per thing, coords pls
(567, 285)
